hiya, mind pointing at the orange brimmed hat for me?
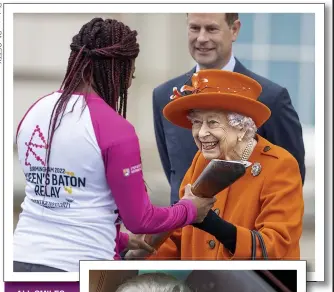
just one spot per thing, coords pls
(217, 89)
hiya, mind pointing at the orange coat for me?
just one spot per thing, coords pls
(271, 203)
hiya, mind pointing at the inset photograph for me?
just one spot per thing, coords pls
(101, 277)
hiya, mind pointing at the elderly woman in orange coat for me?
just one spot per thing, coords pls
(224, 114)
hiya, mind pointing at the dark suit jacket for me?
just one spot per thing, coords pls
(176, 145)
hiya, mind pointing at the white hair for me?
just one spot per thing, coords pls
(241, 122)
(153, 282)
(237, 121)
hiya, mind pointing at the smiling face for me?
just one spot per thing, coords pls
(213, 135)
(210, 39)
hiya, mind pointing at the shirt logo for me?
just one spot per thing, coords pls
(37, 140)
(132, 170)
(126, 172)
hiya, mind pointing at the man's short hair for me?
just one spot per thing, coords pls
(230, 18)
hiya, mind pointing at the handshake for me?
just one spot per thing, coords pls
(141, 246)
(138, 248)
(218, 175)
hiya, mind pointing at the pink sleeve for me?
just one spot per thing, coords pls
(124, 175)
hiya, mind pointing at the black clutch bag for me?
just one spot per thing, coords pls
(218, 175)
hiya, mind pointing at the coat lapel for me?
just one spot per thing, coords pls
(239, 68)
(187, 80)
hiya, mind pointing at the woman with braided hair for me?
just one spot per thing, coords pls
(82, 163)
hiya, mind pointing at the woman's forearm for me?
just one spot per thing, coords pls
(125, 178)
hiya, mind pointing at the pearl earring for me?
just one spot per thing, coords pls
(239, 139)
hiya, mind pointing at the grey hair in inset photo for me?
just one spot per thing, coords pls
(153, 282)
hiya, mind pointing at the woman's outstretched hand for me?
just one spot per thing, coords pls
(203, 205)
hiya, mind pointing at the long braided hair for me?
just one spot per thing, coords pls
(102, 56)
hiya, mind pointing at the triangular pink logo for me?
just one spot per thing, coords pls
(37, 141)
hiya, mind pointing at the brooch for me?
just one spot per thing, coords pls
(256, 169)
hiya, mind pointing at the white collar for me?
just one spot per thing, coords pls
(228, 67)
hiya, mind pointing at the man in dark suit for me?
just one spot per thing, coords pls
(210, 38)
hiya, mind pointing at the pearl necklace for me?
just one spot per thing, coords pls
(247, 151)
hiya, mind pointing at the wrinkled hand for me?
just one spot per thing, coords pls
(203, 205)
(137, 245)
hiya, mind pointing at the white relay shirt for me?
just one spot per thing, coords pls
(76, 190)
(94, 182)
